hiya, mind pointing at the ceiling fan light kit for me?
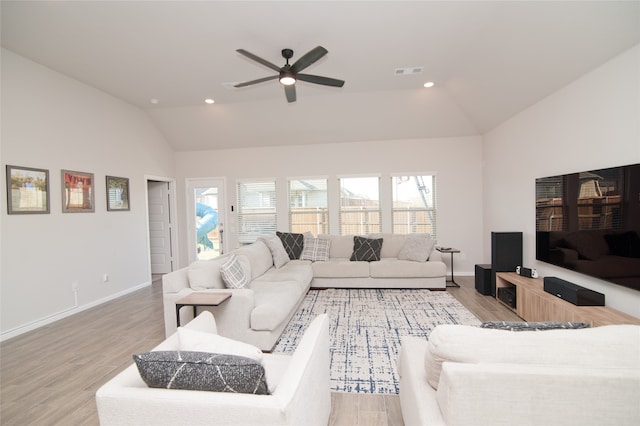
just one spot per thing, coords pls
(288, 75)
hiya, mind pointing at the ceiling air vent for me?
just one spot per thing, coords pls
(408, 71)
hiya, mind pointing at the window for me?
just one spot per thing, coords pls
(359, 205)
(414, 205)
(308, 206)
(256, 210)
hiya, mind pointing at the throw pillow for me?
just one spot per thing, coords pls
(366, 249)
(201, 371)
(199, 341)
(232, 273)
(533, 326)
(204, 274)
(316, 249)
(416, 248)
(293, 243)
(278, 253)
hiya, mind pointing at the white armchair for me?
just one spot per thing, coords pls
(301, 395)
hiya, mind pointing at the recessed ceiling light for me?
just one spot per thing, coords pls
(209, 101)
(154, 101)
(429, 84)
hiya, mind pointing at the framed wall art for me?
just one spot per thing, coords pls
(117, 193)
(77, 192)
(27, 190)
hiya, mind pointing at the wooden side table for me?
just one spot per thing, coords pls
(200, 299)
(452, 251)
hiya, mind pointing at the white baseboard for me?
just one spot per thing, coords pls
(67, 312)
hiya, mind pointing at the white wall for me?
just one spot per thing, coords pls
(456, 162)
(52, 122)
(592, 123)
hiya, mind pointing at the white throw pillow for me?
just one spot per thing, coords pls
(233, 274)
(315, 249)
(205, 274)
(279, 254)
(198, 341)
(416, 248)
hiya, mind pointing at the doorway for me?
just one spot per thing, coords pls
(205, 217)
(160, 222)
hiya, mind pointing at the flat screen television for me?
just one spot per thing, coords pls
(589, 222)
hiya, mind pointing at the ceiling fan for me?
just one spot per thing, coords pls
(289, 74)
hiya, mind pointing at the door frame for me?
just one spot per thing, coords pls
(189, 183)
(173, 220)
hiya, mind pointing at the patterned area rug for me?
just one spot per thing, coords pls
(365, 330)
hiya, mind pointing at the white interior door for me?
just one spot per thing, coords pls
(159, 227)
(205, 218)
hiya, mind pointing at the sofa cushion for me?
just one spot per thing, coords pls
(233, 274)
(274, 303)
(392, 243)
(366, 249)
(278, 253)
(340, 268)
(394, 268)
(199, 341)
(201, 371)
(259, 257)
(292, 243)
(316, 249)
(341, 246)
(610, 346)
(204, 274)
(417, 248)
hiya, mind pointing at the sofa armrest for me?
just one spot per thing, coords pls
(304, 388)
(418, 400)
(538, 394)
(232, 317)
(175, 281)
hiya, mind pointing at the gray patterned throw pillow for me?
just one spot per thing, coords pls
(532, 326)
(201, 371)
(366, 249)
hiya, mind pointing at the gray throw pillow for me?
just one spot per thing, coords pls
(201, 371)
(533, 326)
(366, 249)
(416, 248)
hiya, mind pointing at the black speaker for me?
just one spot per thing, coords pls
(573, 293)
(506, 254)
(483, 279)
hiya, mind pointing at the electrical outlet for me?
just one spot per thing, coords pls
(105, 278)
(74, 286)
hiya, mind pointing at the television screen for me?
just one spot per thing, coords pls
(589, 222)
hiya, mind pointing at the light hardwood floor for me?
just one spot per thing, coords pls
(49, 376)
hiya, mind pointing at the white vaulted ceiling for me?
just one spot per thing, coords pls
(489, 61)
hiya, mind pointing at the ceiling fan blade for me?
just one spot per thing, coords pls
(260, 80)
(309, 58)
(258, 59)
(317, 79)
(290, 92)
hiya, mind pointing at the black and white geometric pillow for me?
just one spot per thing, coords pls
(201, 371)
(293, 243)
(366, 249)
(533, 326)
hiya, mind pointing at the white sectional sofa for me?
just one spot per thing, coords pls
(468, 375)
(259, 313)
(300, 393)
